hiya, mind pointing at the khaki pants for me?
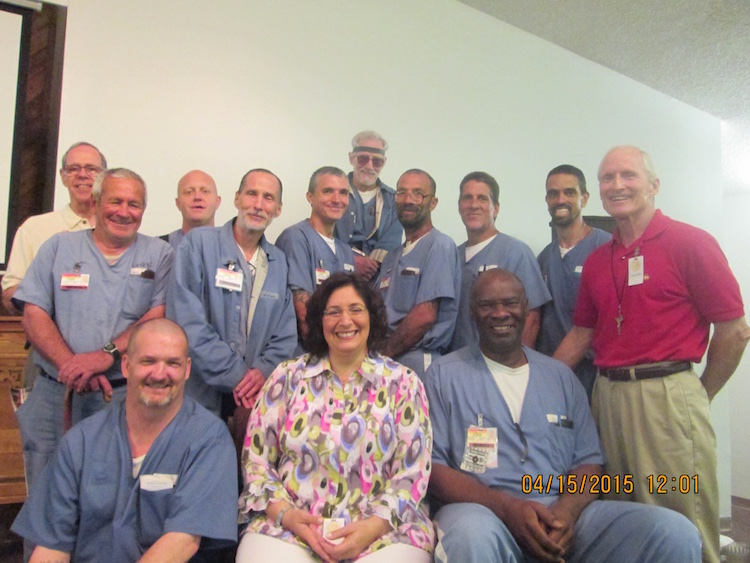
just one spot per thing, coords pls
(659, 431)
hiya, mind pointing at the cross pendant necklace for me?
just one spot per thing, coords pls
(619, 318)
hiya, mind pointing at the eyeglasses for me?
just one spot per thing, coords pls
(418, 197)
(89, 170)
(336, 312)
(364, 159)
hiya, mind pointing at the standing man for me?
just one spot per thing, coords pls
(312, 253)
(486, 249)
(370, 225)
(421, 280)
(562, 261)
(197, 200)
(82, 296)
(80, 165)
(648, 321)
(153, 479)
(228, 290)
(516, 458)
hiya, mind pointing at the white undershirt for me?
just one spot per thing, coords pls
(409, 246)
(512, 383)
(329, 241)
(472, 251)
(368, 195)
(564, 251)
(137, 462)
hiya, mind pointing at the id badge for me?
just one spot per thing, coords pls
(321, 275)
(635, 270)
(229, 279)
(74, 281)
(480, 452)
(385, 283)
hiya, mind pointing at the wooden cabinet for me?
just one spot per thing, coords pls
(12, 360)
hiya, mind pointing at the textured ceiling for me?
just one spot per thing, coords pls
(697, 51)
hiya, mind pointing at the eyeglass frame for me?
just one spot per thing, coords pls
(89, 169)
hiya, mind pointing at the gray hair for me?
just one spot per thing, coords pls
(122, 173)
(648, 164)
(82, 144)
(368, 135)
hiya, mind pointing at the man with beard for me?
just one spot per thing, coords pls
(228, 290)
(312, 253)
(81, 163)
(197, 200)
(153, 479)
(562, 262)
(517, 466)
(421, 280)
(487, 248)
(81, 298)
(370, 225)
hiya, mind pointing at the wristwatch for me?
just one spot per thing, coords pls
(111, 348)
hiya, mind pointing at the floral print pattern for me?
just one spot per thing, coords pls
(338, 450)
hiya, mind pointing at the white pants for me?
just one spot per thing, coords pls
(259, 548)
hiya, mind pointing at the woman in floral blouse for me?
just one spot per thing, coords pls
(338, 448)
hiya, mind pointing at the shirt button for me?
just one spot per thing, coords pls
(238, 307)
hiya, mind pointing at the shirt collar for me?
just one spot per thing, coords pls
(70, 217)
(371, 369)
(658, 223)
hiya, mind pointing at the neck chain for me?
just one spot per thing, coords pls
(620, 292)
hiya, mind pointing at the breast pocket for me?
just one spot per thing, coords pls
(405, 293)
(561, 446)
(153, 509)
(137, 298)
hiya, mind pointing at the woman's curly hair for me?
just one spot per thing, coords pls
(315, 343)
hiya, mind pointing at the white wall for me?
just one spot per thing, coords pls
(166, 86)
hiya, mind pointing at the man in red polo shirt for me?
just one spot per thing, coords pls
(646, 304)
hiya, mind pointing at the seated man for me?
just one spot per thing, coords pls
(153, 479)
(522, 483)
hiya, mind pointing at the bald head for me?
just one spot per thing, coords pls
(147, 330)
(197, 199)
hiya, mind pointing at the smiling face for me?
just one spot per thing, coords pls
(346, 323)
(415, 200)
(564, 199)
(499, 307)
(627, 192)
(82, 164)
(365, 174)
(156, 366)
(476, 209)
(197, 199)
(119, 210)
(330, 198)
(258, 202)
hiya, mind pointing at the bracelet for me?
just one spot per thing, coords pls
(280, 516)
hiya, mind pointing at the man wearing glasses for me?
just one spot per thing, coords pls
(80, 165)
(421, 280)
(370, 225)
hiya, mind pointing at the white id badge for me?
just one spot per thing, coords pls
(330, 525)
(635, 270)
(74, 281)
(321, 275)
(229, 279)
(480, 452)
(385, 283)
